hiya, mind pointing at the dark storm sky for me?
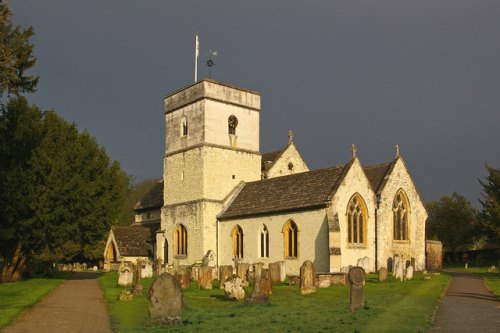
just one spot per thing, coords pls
(422, 74)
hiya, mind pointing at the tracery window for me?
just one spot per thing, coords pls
(165, 252)
(184, 126)
(290, 235)
(264, 242)
(232, 123)
(400, 216)
(180, 240)
(356, 220)
(237, 236)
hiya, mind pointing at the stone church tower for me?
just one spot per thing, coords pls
(212, 145)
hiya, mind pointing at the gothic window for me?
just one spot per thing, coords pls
(264, 242)
(165, 252)
(232, 122)
(290, 235)
(180, 240)
(400, 216)
(237, 236)
(356, 220)
(184, 126)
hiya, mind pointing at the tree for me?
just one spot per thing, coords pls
(454, 221)
(60, 192)
(135, 192)
(16, 56)
(490, 215)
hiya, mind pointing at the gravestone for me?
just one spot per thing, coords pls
(125, 295)
(398, 269)
(84, 266)
(356, 282)
(389, 264)
(307, 278)
(274, 269)
(364, 263)
(165, 300)
(282, 271)
(409, 273)
(205, 278)
(125, 275)
(257, 269)
(262, 288)
(242, 272)
(195, 272)
(225, 272)
(146, 270)
(233, 288)
(183, 275)
(382, 274)
(209, 259)
(138, 287)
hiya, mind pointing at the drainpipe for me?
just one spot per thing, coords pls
(376, 232)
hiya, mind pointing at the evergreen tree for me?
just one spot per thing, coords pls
(490, 215)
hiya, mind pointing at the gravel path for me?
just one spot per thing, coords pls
(75, 306)
(468, 306)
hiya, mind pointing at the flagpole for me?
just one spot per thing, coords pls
(196, 52)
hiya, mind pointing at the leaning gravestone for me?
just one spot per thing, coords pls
(307, 278)
(125, 275)
(356, 282)
(274, 269)
(225, 272)
(234, 288)
(165, 300)
(382, 274)
(242, 271)
(409, 273)
(364, 263)
(257, 270)
(262, 288)
(205, 278)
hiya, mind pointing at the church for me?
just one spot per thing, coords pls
(219, 193)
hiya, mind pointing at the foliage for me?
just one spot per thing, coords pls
(19, 296)
(16, 56)
(60, 192)
(390, 306)
(490, 215)
(135, 192)
(454, 221)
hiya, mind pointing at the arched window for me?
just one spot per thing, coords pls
(264, 242)
(232, 122)
(180, 240)
(356, 220)
(290, 239)
(237, 236)
(400, 216)
(165, 252)
(184, 126)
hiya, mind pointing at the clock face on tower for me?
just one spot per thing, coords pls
(233, 121)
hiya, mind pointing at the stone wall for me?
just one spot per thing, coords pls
(434, 254)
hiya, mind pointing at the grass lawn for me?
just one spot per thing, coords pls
(18, 296)
(390, 306)
(492, 278)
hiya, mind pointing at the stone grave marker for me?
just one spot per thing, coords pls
(225, 272)
(398, 269)
(282, 271)
(364, 263)
(125, 295)
(307, 278)
(242, 272)
(274, 269)
(409, 273)
(183, 275)
(262, 288)
(137, 286)
(125, 275)
(234, 288)
(147, 270)
(382, 274)
(205, 278)
(356, 282)
(165, 300)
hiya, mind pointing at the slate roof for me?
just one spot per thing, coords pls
(376, 174)
(152, 199)
(268, 159)
(136, 240)
(288, 193)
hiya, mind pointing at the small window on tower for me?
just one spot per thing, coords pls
(184, 126)
(290, 166)
(232, 122)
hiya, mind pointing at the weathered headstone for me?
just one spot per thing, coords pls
(364, 263)
(205, 278)
(274, 269)
(242, 272)
(234, 288)
(125, 295)
(282, 271)
(262, 288)
(137, 286)
(183, 275)
(382, 274)
(84, 266)
(398, 269)
(323, 280)
(195, 272)
(165, 300)
(224, 273)
(307, 278)
(125, 275)
(356, 282)
(94, 268)
(257, 270)
(409, 273)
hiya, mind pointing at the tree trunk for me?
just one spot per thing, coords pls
(13, 267)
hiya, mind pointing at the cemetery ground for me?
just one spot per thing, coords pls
(390, 306)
